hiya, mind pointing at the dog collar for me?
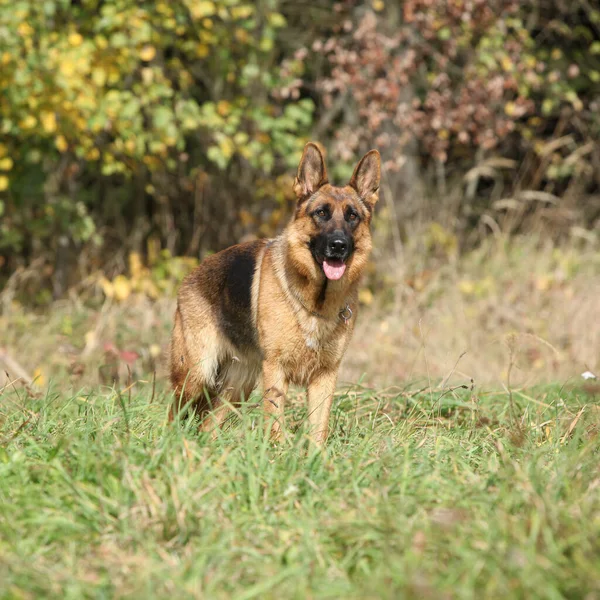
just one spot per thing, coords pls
(345, 313)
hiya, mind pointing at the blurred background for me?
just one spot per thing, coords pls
(137, 137)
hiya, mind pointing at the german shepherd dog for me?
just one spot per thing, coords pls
(283, 308)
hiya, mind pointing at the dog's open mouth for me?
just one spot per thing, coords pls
(333, 268)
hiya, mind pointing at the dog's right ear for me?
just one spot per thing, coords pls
(312, 173)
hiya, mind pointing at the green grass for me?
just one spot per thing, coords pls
(417, 495)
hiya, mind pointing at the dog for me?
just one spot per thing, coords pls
(283, 308)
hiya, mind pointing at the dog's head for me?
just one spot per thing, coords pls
(330, 234)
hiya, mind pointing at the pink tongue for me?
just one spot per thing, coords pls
(334, 269)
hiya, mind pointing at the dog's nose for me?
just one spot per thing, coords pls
(338, 246)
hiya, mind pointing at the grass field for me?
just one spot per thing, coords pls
(419, 494)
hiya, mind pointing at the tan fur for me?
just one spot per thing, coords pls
(285, 341)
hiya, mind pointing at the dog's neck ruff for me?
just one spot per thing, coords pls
(345, 313)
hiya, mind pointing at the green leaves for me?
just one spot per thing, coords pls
(123, 89)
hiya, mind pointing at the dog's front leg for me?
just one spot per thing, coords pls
(275, 389)
(320, 398)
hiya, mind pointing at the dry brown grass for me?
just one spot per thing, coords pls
(526, 308)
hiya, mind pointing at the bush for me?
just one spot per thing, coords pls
(113, 112)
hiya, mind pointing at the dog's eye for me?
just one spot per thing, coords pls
(352, 217)
(321, 213)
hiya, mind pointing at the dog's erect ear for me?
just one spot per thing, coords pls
(365, 179)
(311, 172)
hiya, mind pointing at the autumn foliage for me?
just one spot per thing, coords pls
(175, 126)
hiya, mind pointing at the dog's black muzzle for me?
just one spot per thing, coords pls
(338, 245)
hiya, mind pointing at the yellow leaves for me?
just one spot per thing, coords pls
(227, 147)
(242, 12)
(157, 147)
(120, 288)
(5, 58)
(48, 121)
(3, 183)
(29, 122)
(203, 8)
(101, 42)
(276, 20)
(91, 341)
(202, 50)
(147, 75)
(245, 151)
(440, 239)
(38, 377)
(510, 108)
(378, 5)
(208, 37)
(99, 76)
(107, 287)
(544, 282)
(114, 76)
(155, 350)
(365, 296)
(164, 9)
(143, 280)
(3, 150)
(147, 53)
(507, 63)
(241, 35)
(223, 107)
(477, 288)
(135, 264)
(467, 287)
(538, 363)
(25, 29)
(61, 143)
(92, 154)
(6, 164)
(572, 97)
(75, 39)
(266, 44)
(151, 162)
(149, 288)
(21, 13)
(67, 67)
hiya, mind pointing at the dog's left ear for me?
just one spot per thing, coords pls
(312, 173)
(366, 176)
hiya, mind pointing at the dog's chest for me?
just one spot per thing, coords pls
(316, 345)
(317, 333)
(312, 334)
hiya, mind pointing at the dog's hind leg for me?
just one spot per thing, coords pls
(193, 370)
(240, 381)
(275, 390)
